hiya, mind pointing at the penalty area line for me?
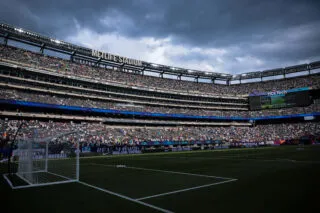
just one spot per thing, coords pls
(125, 197)
(166, 171)
(185, 190)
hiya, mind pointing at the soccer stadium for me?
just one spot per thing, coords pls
(83, 130)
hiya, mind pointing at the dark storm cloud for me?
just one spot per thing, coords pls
(274, 31)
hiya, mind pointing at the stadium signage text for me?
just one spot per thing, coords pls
(277, 93)
(115, 58)
(283, 92)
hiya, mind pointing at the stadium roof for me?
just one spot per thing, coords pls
(44, 42)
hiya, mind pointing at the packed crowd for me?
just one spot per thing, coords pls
(121, 140)
(125, 97)
(67, 101)
(100, 133)
(70, 68)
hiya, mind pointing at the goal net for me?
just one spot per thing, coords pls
(40, 158)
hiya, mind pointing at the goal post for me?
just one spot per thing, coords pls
(40, 161)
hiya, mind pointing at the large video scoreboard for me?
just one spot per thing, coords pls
(280, 99)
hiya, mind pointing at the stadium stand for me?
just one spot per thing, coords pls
(52, 64)
(123, 107)
(102, 134)
(82, 102)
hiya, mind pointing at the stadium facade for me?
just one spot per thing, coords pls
(97, 87)
(100, 58)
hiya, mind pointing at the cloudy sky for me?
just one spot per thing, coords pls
(232, 36)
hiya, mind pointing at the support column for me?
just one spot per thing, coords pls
(5, 41)
(78, 162)
(47, 156)
(42, 48)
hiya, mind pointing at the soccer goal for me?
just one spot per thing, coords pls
(44, 160)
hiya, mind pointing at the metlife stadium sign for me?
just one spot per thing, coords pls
(116, 58)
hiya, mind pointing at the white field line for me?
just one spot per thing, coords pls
(24, 179)
(7, 179)
(269, 160)
(125, 197)
(184, 190)
(222, 156)
(236, 157)
(35, 185)
(59, 175)
(39, 171)
(243, 158)
(175, 153)
(44, 184)
(165, 171)
(239, 157)
(64, 177)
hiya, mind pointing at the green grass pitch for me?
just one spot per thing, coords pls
(278, 179)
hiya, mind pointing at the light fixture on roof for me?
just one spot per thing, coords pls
(56, 41)
(19, 30)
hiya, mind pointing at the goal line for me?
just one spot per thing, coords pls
(30, 184)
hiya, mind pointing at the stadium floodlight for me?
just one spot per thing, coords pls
(19, 30)
(55, 41)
